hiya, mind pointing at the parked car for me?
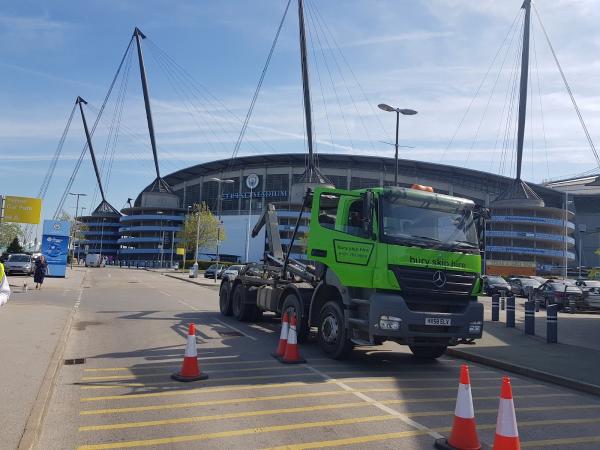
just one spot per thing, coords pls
(558, 292)
(591, 293)
(232, 271)
(494, 284)
(210, 272)
(521, 286)
(19, 263)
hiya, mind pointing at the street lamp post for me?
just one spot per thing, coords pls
(162, 238)
(252, 182)
(218, 180)
(398, 111)
(79, 244)
(101, 238)
(76, 214)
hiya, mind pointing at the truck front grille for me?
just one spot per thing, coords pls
(421, 292)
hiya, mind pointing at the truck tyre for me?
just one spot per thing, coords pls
(332, 333)
(291, 304)
(225, 299)
(428, 352)
(241, 310)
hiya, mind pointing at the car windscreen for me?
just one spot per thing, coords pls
(528, 282)
(19, 258)
(496, 280)
(427, 222)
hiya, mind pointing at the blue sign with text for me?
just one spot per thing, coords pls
(55, 246)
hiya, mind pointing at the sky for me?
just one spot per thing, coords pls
(454, 61)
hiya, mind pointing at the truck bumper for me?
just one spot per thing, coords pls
(412, 325)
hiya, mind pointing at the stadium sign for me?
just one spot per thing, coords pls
(255, 194)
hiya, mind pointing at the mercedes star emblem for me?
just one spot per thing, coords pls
(439, 279)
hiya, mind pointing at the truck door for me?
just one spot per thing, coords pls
(338, 240)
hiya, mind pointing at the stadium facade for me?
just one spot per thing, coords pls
(520, 238)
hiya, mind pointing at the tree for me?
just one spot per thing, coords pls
(209, 229)
(14, 246)
(9, 231)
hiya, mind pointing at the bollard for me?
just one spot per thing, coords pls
(495, 308)
(510, 312)
(552, 324)
(572, 305)
(502, 300)
(529, 317)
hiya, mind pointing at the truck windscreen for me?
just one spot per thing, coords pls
(428, 222)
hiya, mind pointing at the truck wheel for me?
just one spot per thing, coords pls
(240, 309)
(333, 335)
(291, 305)
(428, 352)
(225, 299)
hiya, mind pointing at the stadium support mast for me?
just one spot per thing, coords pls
(82, 102)
(312, 173)
(138, 35)
(523, 87)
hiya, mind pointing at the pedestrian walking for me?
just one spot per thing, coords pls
(4, 287)
(41, 267)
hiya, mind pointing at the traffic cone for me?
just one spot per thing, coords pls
(283, 337)
(464, 431)
(507, 435)
(291, 354)
(190, 370)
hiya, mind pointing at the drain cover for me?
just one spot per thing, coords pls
(230, 333)
(70, 362)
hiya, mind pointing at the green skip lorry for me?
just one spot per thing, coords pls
(398, 264)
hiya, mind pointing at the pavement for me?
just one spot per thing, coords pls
(32, 325)
(573, 362)
(130, 328)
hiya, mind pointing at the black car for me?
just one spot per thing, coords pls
(495, 285)
(521, 286)
(560, 293)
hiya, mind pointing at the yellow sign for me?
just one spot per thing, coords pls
(181, 251)
(22, 209)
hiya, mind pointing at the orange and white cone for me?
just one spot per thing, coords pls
(507, 434)
(283, 337)
(464, 430)
(292, 355)
(190, 370)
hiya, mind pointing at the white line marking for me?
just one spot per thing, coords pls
(165, 293)
(377, 404)
(236, 329)
(259, 328)
(109, 275)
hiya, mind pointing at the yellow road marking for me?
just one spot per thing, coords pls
(565, 441)
(232, 433)
(490, 426)
(259, 377)
(158, 374)
(177, 364)
(266, 412)
(356, 440)
(204, 390)
(88, 412)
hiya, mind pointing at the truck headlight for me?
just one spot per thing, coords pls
(389, 323)
(475, 327)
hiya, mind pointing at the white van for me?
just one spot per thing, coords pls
(93, 260)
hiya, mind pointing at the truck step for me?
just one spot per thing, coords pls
(359, 322)
(358, 341)
(360, 301)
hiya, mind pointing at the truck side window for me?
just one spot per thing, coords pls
(328, 206)
(354, 225)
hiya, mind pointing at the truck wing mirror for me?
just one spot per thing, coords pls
(367, 213)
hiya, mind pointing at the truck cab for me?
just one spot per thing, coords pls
(395, 264)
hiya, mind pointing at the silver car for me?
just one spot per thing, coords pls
(19, 263)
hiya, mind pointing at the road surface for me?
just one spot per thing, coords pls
(131, 326)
